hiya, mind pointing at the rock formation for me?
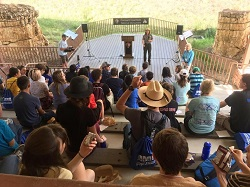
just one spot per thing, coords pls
(231, 36)
(19, 26)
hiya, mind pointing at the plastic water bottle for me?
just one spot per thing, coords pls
(206, 150)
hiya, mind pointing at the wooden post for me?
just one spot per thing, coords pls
(246, 56)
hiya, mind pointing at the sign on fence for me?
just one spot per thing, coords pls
(130, 21)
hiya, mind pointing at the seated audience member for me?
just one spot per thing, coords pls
(83, 72)
(170, 150)
(40, 89)
(239, 101)
(178, 68)
(90, 77)
(71, 73)
(182, 87)
(42, 156)
(28, 108)
(133, 99)
(22, 69)
(75, 116)
(154, 96)
(47, 77)
(241, 178)
(57, 88)
(7, 141)
(195, 80)
(97, 76)
(170, 109)
(13, 75)
(166, 75)
(200, 115)
(132, 70)
(42, 68)
(124, 72)
(10, 164)
(143, 71)
(149, 77)
(105, 72)
(114, 82)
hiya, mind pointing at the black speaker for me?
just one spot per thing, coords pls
(84, 28)
(179, 30)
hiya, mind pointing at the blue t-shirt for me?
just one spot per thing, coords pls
(6, 135)
(195, 79)
(181, 93)
(26, 106)
(46, 76)
(188, 57)
(133, 99)
(204, 110)
(115, 85)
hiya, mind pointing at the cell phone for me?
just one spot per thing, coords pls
(89, 138)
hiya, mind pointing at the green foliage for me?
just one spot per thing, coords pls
(202, 44)
(210, 33)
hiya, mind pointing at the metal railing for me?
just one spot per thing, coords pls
(157, 26)
(215, 66)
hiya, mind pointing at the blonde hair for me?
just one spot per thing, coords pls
(35, 74)
(207, 86)
(188, 45)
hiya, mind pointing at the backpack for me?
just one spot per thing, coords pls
(242, 140)
(141, 153)
(196, 92)
(99, 93)
(206, 173)
(8, 98)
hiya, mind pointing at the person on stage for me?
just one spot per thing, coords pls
(146, 42)
(188, 56)
(62, 48)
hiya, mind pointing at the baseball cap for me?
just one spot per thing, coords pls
(184, 72)
(105, 64)
(195, 69)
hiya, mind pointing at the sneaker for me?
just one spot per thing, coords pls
(19, 151)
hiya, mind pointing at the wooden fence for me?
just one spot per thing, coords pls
(215, 66)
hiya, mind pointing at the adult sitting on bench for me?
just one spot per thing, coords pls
(154, 96)
(200, 115)
(170, 149)
(28, 108)
(239, 101)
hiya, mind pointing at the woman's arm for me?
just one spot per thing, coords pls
(83, 152)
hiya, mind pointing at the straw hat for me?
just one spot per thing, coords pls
(147, 29)
(154, 95)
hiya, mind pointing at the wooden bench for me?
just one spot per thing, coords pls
(118, 128)
(119, 158)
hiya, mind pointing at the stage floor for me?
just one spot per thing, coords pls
(110, 48)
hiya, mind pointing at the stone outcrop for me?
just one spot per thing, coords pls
(19, 26)
(231, 36)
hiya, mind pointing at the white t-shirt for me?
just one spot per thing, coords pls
(62, 44)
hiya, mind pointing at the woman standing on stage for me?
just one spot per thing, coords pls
(146, 42)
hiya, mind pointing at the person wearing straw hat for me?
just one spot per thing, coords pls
(154, 96)
(146, 42)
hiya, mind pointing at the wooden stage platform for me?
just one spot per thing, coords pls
(110, 48)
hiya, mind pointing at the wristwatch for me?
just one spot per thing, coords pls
(131, 88)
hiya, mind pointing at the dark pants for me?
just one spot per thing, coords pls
(146, 49)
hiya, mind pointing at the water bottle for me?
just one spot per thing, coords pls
(206, 150)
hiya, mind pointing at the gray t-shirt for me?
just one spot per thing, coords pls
(146, 38)
(134, 116)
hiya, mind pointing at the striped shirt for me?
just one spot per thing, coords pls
(239, 179)
(195, 79)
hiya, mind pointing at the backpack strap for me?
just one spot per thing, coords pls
(211, 175)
